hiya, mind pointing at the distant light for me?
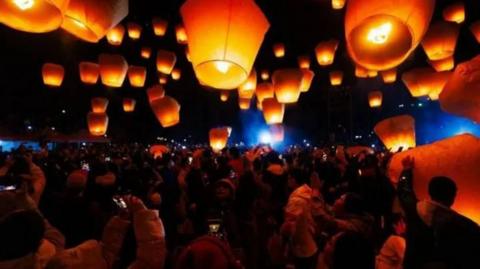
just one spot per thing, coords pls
(401, 106)
(420, 104)
(29, 127)
(84, 144)
(64, 111)
(265, 137)
(308, 144)
(183, 147)
(53, 128)
(373, 145)
(173, 141)
(358, 137)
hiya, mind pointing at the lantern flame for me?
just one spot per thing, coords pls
(380, 34)
(24, 4)
(222, 66)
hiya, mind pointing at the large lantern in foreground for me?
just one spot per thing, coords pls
(247, 89)
(97, 123)
(167, 111)
(35, 16)
(53, 74)
(223, 58)
(336, 78)
(113, 69)
(90, 20)
(307, 80)
(389, 76)
(455, 157)
(129, 104)
(375, 99)
(440, 40)
(381, 34)
(165, 61)
(454, 12)
(89, 72)
(218, 138)
(159, 26)
(155, 92)
(397, 132)
(137, 76)
(273, 111)
(115, 35)
(325, 52)
(279, 50)
(99, 104)
(425, 81)
(287, 83)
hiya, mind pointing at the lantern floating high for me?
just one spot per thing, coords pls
(287, 83)
(303, 61)
(224, 96)
(218, 138)
(89, 72)
(129, 104)
(446, 64)
(389, 76)
(163, 79)
(115, 35)
(176, 73)
(381, 34)
(244, 103)
(247, 89)
(181, 34)
(440, 40)
(146, 52)
(425, 81)
(361, 72)
(137, 76)
(397, 132)
(167, 111)
(53, 74)
(375, 99)
(155, 92)
(99, 104)
(336, 78)
(325, 52)
(307, 80)
(454, 12)
(264, 90)
(165, 61)
(134, 30)
(223, 58)
(273, 111)
(113, 69)
(159, 26)
(265, 75)
(475, 29)
(279, 50)
(97, 123)
(338, 4)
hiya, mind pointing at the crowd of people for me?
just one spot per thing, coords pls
(117, 206)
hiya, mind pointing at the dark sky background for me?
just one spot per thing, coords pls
(299, 24)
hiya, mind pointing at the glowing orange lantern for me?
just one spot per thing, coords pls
(361, 72)
(224, 96)
(277, 132)
(176, 74)
(165, 61)
(307, 79)
(287, 83)
(336, 78)
(381, 34)
(167, 111)
(375, 99)
(159, 26)
(264, 90)
(163, 79)
(89, 72)
(97, 123)
(129, 104)
(265, 75)
(223, 58)
(99, 104)
(181, 34)
(325, 52)
(425, 81)
(158, 150)
(35, 16)
(134, 30)
(273, 111)
(53, 74)
(113, 69)
(446, 64)
(187, 54)
(146, 52)
(454, 12)
(389, 76)
(218, 138)
(397, 132)
(155, 92)
(137, 76)
(372, 73)
(338, 4)
(475, 29)
(90, 20)
(115, 35)
(247, 89)
(279, 50)
(303, 61)
(244, 103)
(440, 40)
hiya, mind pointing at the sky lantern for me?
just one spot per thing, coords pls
(325, 52)
(361, 72)
(165, 61)
(439, 80)
(155, 92)
(181, 34)
(273, 111)
(287, 83)
(224, 96)
(99, 104)
(115, 35)
(446, 64)
(167, 111)
(264, 90)
(454, 12)
(89, 72)
(375, 99)
(247, 89)
(158, 150)
(303, 61)
(90, 20)
(134, 30)
(163, 79)
(97, 123)
(279, 50)
(146, 52)
(277, 132)
(265, 74)
(338, 4)
(455, 157)
(34, 16)
(53, 74)
(137, 76)
(129, 104)
(307, 80)
(223, 58)
(389, 76)
(187, 54)
(397, 132)
(176, 73)
(425, 81)
(475, 29)
(218, 138)
(113, 69)
(336, 78)
(440, 40)
(159, 26)
(244, 103)
(381, 34)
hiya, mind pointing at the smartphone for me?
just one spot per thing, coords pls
(190, 160)
(108, 159)
(85, 166)
(119, 201)
(7, 188)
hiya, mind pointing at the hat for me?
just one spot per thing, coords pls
(77, 179)
(207, 252)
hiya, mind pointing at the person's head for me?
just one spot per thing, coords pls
(351, 250)
(349, 203)
(224, 190)
(207, 253)
(442, 190)
(296, 178)
(398, 224)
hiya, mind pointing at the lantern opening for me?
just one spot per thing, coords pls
(380, 34)
(24, 4)
(221, 73)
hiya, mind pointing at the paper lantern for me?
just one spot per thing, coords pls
(303, 61)
(52, 74)
(286, 83)
(325, 52)
(167, 111)
(454, 12)
(381, 34)
(273, 111)
(375, 99)
(89, 72)
(223, 58)
(264, 90)
(155, 92)
(461, 94)
(265, 75)
(165, 61)
(35, 16)
(181, 34)
(279, 50)
(277, 132)
(90, 20)
(425, 81)
(372, 73)
(307, 79)
(389, 76)
(137, 76)
(218, 138)
(336, 78)
(115, 35)
(440, 40)
(224, 96)
(99, 104)
(158, 150)
(455, 157)
(361, 72)
(97, 123)
(397, 132)
(129, 104)
(134, 30)
(338, 4)
(244, 103)
(113, 69)
(146, 52)
(159, 26)
(176, 74)
(438, 82)
(187, 54)
(475, 29)
(355, 150)
(163, 79)
(247, 89)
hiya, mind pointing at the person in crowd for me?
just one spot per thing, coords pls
(393, 250)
